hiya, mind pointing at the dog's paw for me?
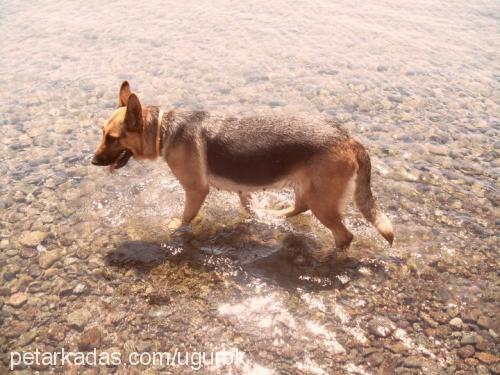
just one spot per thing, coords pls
(177, 228)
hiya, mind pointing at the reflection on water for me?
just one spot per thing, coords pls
(417, 83)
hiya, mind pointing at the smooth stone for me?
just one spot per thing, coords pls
(487, 358)
(18, 299)
(16, 329)
(80, 288)
(79, 318)
(470, 339)
(10, 272)
(456, 323)
(57, 332)
(484, 322)
(413, 362)
(28, 252)
(380, 327)
(26, 338)
(29, 238)
(375, 359)
(466, 351)
(482, 370)
(48, 258)
(90, 339)
(426, 318)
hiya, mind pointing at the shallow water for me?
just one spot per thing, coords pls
(418, 84)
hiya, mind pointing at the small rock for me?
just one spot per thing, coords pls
(456, 324)
(57, 332)
(426, 318)
(487, 358)
(10, 272)
(26, 338)
(482, 370)
(29, 238)
(380, 327)
(466, 351)
(80, 288)
(484, 322)
(79, 318)
(399, 347)
(375, 359)
(471, 361)
(439, 316)
(48, 258)
(90, 339)
(4, 292)
(470, 338)
(16, 329)
(28, 252)
(495, 368)
(413, 362)
(471, 316)
(18, 299)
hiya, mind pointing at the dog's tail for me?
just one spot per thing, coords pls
(365, 201)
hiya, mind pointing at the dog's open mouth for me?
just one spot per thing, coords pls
(121, 160)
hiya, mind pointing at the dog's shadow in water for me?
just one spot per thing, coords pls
(286, 262)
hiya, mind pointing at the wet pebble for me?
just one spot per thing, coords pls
(10, 272)
(48, 258)
(414, 362)
(16, 329)
(466, 351)
(456, 324)
(380, 327)
(375, 359)
(26, 338)
(79, 318)
(470, 339)
(28, 252)
(18, 299)
(487, 358)
(90, 339)
(32, 238)
(57, 332)
(80, 288)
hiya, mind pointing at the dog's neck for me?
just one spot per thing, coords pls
(156, 123)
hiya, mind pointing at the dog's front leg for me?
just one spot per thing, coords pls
(193, 203)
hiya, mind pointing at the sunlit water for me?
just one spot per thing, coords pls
(416, 82)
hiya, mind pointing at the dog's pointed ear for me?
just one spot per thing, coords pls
(124, 94)
(133, 116)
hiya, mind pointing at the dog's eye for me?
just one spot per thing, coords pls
(110, 140)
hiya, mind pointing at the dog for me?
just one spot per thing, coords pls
(314, 156)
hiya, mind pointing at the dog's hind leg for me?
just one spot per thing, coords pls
(327, 200)
(245, 200)
(299, 206)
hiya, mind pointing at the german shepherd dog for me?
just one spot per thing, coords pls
(314, 156)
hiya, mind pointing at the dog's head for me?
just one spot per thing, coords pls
(122, 133)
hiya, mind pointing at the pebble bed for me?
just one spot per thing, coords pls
(87, 260)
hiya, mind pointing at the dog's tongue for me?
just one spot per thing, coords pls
(112, 168)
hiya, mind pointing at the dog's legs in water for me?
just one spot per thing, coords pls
(327, 204)
(245, 199)
(299, 206)
(193, 203)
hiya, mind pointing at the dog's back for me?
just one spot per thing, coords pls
(259, 150)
